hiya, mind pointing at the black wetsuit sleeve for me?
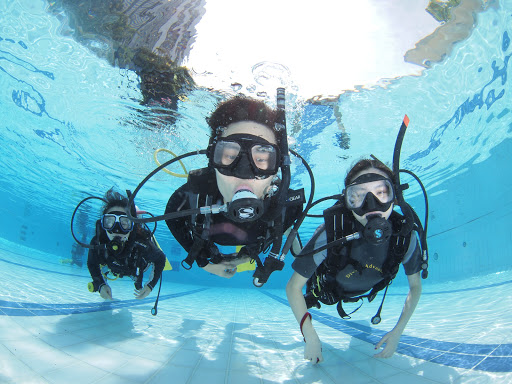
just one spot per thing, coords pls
(181, 228)
(93, 264)
(157, 257)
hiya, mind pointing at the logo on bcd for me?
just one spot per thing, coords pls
(246, 213)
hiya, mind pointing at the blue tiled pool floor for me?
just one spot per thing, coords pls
(52, 330)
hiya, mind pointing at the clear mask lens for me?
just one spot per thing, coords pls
(110, 220)
(263, 157)
(355, 194)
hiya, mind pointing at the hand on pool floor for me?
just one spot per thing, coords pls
(142, 293)
(313, 350)
(391, 339)
(106, 292)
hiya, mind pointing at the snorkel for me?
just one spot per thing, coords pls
(410, 216)
(399, 188)
(275, 259)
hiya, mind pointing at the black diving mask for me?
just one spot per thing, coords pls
(245, 156)
(369, 193)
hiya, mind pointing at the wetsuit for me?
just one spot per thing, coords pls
(139, 253)
(222, 231)
(358, 265)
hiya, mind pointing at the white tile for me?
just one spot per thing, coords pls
(214, 361)
(61, 340)
(350, 355)
(341, 372)
(210, 376)
(376, 368)
(477, 377)
(27, 346)
(243, 376)
(171, 374)
(14, 370)
(79, 373)
(185, 358)
(240, 361)
(314, 374)
(253, 340)
(138, 369)
(405, 378)
(115, 379)
(48, 361)
(436, 372)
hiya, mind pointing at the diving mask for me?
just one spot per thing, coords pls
(116, 222)
(245, 156)
(369, 193)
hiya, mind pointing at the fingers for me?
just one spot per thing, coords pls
(386, 353)
(229, 273)
(106, 292)
(379, 344)
(383, 355)
(142, 293)
(315, 360)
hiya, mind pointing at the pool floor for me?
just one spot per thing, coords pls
(52, 330)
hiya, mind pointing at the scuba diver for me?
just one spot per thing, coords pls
(247, 147)
(358, 249)
(124, 248)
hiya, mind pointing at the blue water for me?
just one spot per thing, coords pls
(73, 127)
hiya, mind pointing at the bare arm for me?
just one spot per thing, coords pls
(313, 348)
(393, 337)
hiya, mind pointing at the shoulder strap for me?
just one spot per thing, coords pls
(338, 224)
(200, 233)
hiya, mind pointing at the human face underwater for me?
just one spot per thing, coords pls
(379, 194)
(229, 185)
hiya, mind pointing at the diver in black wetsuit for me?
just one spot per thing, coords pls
(125, 248)
(244, 157)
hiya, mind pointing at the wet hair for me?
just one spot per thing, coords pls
(241, 108)
(363, 165)
(115, 199)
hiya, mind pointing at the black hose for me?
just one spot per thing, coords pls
(73, 218)
(155, 171)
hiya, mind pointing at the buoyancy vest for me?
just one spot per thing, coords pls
(323, 286)
(204, 191)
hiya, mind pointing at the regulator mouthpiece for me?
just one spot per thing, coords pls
(245, 206)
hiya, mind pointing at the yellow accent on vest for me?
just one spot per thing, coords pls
(249, 266)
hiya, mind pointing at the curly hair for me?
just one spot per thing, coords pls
(241, 108)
